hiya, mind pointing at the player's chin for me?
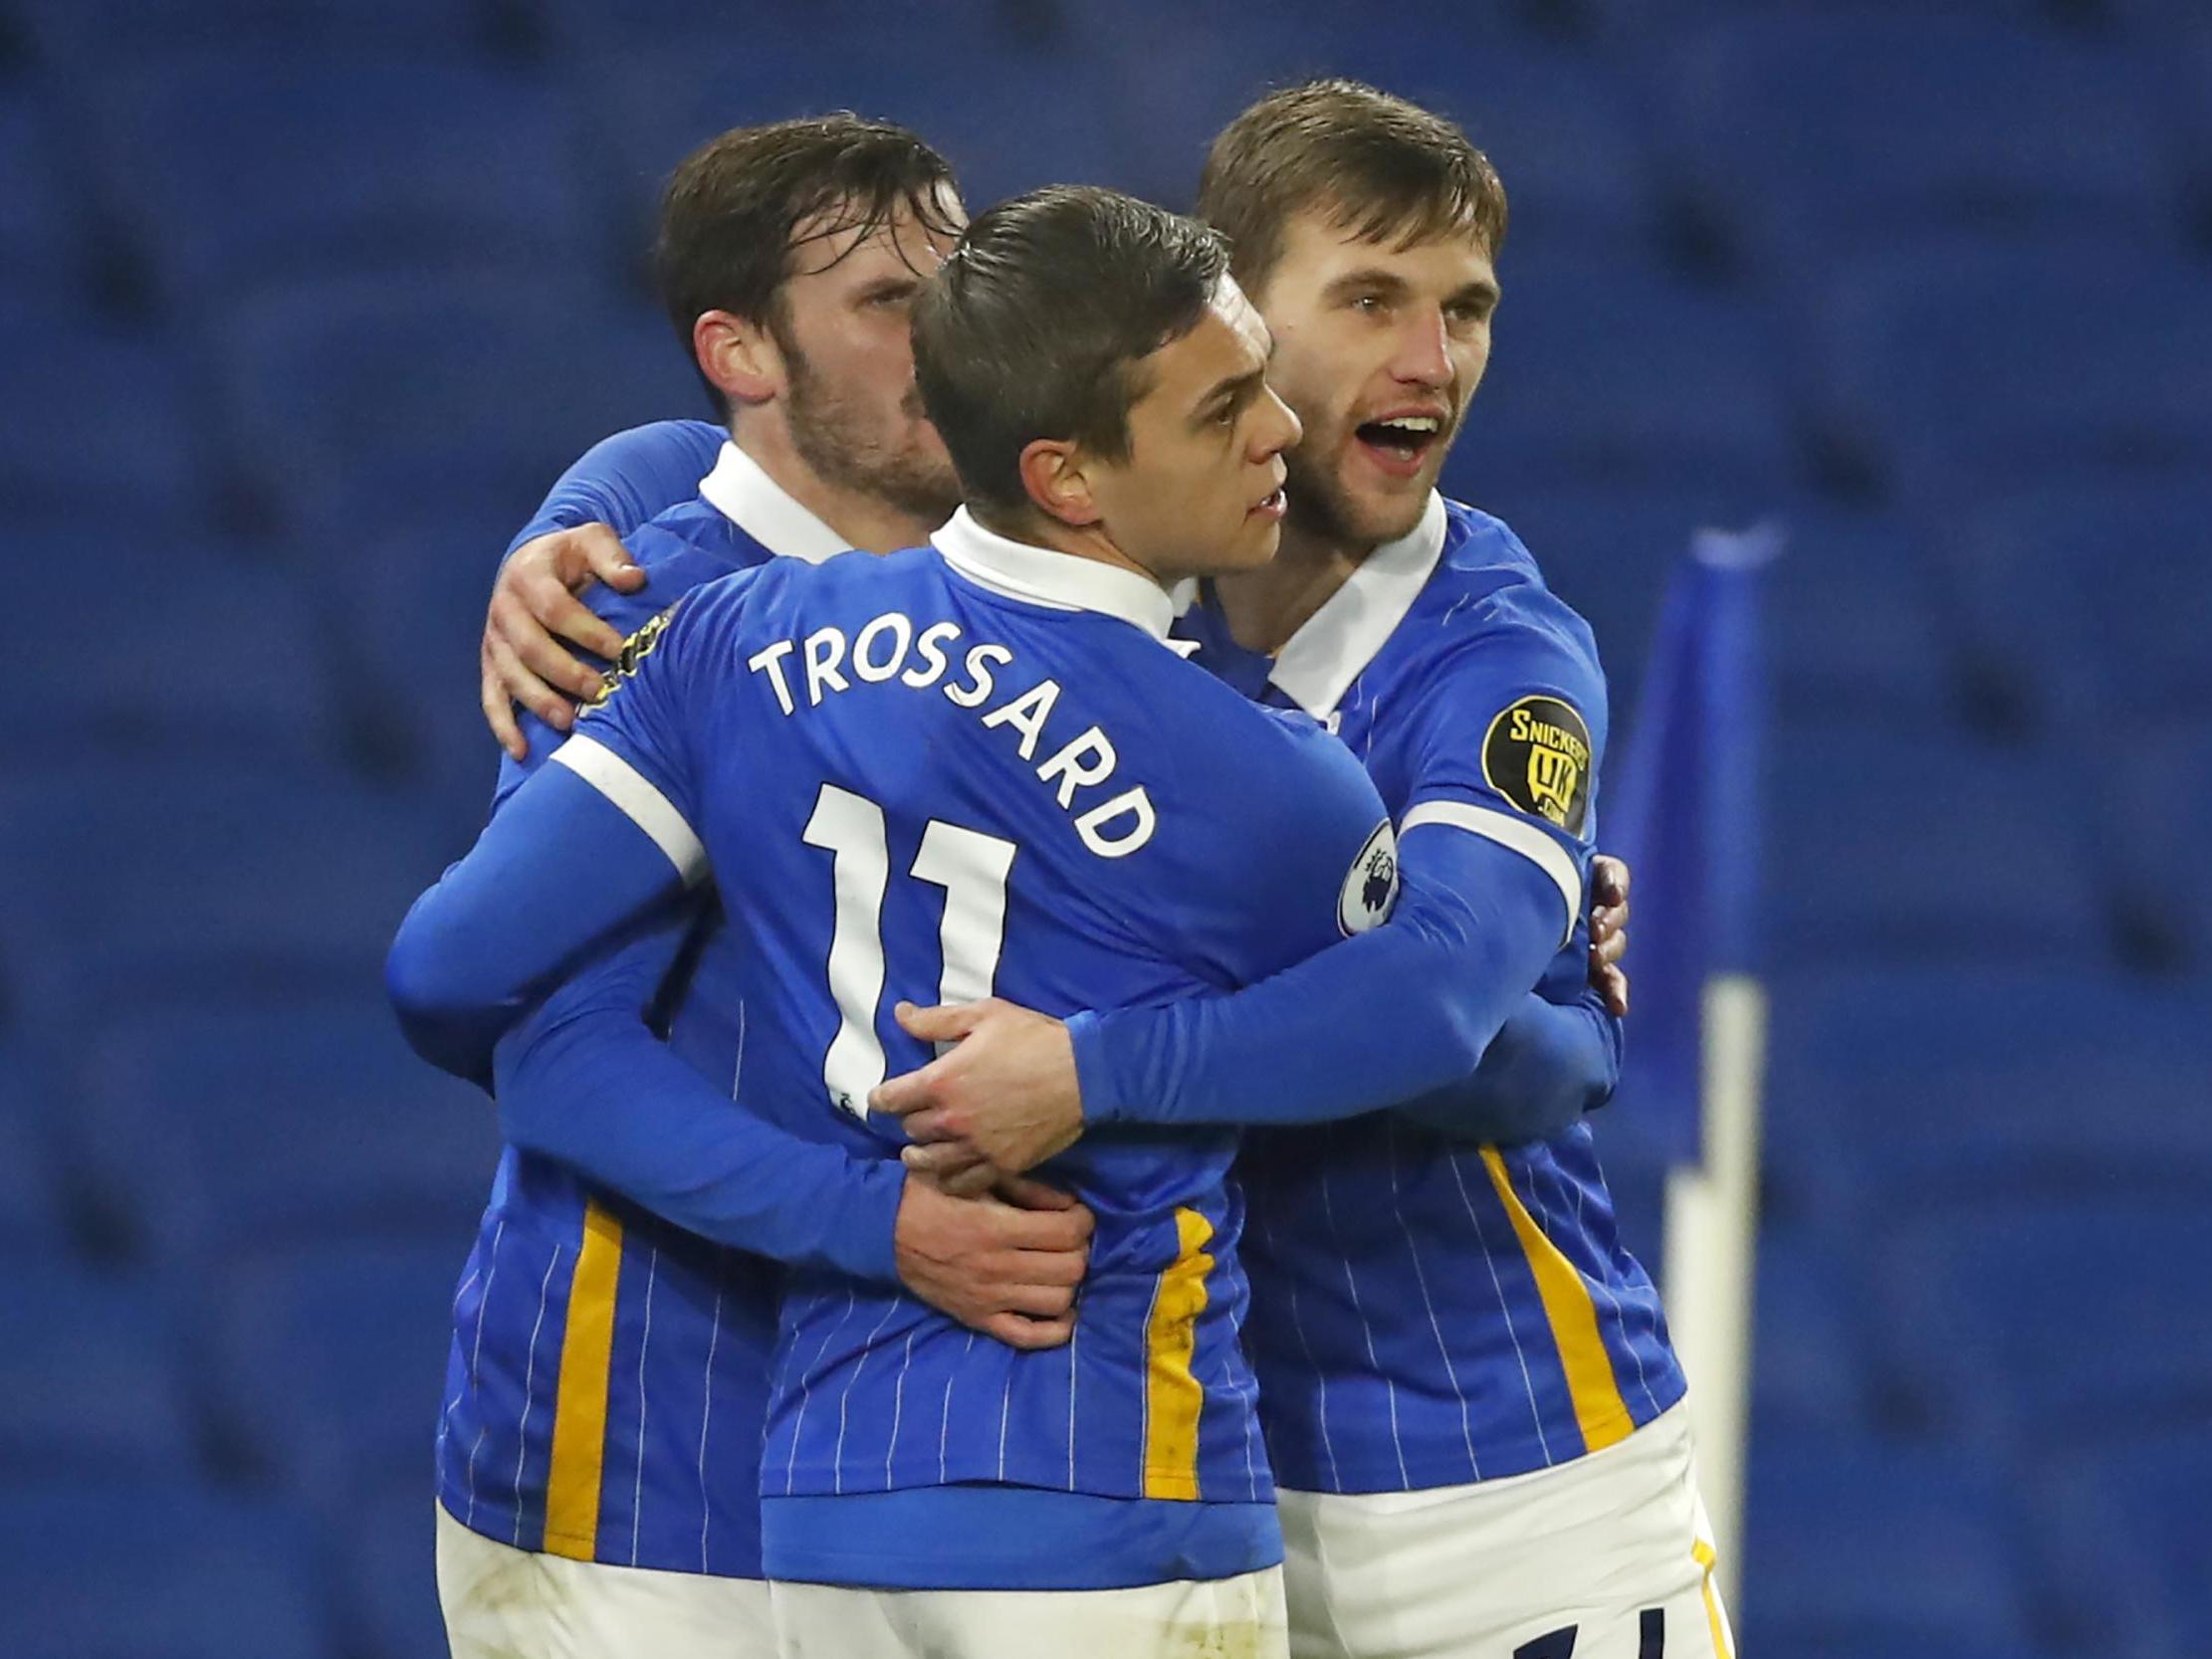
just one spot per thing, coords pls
(1385, 511)
(1255, 543)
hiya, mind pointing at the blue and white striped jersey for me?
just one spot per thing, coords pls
(1427, 1313)
(608, 1382)
(969, 768)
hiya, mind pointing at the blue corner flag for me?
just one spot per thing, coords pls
(1684, 813)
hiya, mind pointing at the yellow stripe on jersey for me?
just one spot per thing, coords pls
(580, 1405)
(1173, 1394)
(1600, 1412)
(1703, 1554)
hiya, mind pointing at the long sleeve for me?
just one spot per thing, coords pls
(559, 870)
(1384, 1017)
(628, 479)
(1548, 1065)
(584, 1080)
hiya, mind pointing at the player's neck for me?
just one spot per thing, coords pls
(865, 520)
(1264, 607)
(1084, 541)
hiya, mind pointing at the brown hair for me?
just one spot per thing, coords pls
(1381, 166)
(734, 208)
(1037, 324)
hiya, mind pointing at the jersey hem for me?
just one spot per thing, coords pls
(1448, 1465)
(816, 1481)
(647, 1561)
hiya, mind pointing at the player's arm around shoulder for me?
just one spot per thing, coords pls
(624, 620)
(575, 540)
(1305, 842)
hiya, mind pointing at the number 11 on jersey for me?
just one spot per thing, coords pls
(970, 866)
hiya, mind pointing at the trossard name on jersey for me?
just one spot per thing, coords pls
(1080, 768)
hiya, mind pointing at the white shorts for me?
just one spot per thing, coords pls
(1613, 1547)
(1238, 1619)
(501, 1603)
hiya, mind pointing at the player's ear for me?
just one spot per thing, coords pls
(739, 357)
(1056, 474)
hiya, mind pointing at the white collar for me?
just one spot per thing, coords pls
(1041, 576)
(745, 494)
(1339, 640)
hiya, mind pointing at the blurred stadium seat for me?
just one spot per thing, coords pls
(33, 1221)
(111, 1569)
(186, 645)
(491, 379)
(406, 580)
(90, 1381)
(1818, 133)
(260, 881)
(1940, 366)
(326, 1365)
(1972, 860)
(2092, 592)
(80, 34)
(71, 446)
(2159, 820)
(1857, 627)
(1625, 23)
(1858, 1547)
(653, 105)
(1618, 371)
(284, 1121)
(1811, 1376)
(2127, 1539)
(233, 173)
(2039, 1326)
(1979, 1088)
(39, 251)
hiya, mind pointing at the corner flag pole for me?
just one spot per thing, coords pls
(1687, 816)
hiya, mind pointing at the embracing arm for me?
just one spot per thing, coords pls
(573, 539)
(559, 870)
(1547, 1066)
(1552, 1061)
(1400, 1010)
(584, 1081)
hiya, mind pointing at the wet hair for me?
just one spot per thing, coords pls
(738, 209)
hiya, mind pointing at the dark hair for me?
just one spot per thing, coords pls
(734, 208)
(1034, 326)
(1381, 166)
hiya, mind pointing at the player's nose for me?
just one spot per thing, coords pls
(1424, 355)
(1277, 429)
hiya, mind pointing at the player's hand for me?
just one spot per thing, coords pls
(1609, 933)
(1006, 1263)
(1005, 1098)
(534, 600)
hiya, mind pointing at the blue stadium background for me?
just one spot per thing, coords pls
(303, 303)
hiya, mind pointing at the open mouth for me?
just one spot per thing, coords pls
(1399, 443)
(1271, 505)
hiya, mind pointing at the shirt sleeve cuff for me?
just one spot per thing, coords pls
(1095, 1073)
(863, 1238)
